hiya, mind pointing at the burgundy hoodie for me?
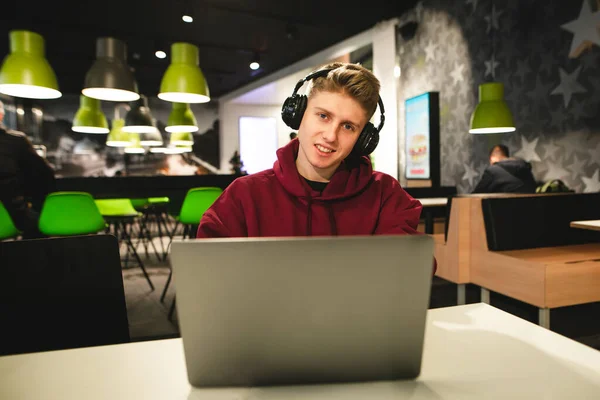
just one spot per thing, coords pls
(279, 202)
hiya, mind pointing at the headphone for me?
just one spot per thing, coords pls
(295, 105)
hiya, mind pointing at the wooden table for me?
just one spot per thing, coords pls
(471, 352)
(593, 225)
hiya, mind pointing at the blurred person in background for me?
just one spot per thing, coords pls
(25, 179)
(506, 174)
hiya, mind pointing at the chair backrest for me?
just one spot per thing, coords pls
(542, 220)
(116, 208)
(70, 213)
(7, 227)
(60, 293)
(196, 202)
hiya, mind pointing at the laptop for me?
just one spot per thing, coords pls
(279, 311)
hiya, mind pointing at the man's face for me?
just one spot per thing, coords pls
(329, 129)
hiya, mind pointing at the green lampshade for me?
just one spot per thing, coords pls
(491, 114)
(135, 147)
(184, 82)
(182, 138)
(181, 119)
(116, 136)
(89, 118)
(25, 72)
(110, 78)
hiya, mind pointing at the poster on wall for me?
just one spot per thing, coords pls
(422, 137)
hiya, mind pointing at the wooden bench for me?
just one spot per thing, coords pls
(522, 246)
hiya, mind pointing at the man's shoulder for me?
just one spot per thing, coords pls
(259, 179)
(14, 133)
(385, 179)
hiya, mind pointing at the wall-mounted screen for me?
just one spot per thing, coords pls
(422, 137)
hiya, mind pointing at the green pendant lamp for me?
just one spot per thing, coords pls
(181, 119)
(116, 136)
(89, 118)
(182, 139)
(25, 72)
(184, 82)
(135, 147)
(491, 114)
(110, 78)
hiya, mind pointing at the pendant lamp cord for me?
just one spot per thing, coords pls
(492, 17)
(118, 106)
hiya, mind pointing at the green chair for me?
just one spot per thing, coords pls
(120, 215)
(8, 230)
(195, 204)
(69, 214)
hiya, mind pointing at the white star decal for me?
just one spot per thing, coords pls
(527, 151)
(490, 67)
(492, 19)
(594, 154)
(551, 149)
(474, 3)
(576, 167)
(556, 171)
(470, 173)
(568, 85)
(430, 51)
(592, 185)
(584, 29)
(457, 73)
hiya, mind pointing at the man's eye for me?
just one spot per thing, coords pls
(348, 127)
(322, 116)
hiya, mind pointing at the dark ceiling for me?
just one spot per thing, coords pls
(228, 33)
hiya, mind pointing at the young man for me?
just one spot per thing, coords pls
(25, 178)
(506, 174)
(318, 186)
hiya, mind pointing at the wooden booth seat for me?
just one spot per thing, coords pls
(523, 247)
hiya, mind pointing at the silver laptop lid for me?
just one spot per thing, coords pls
(271, 311)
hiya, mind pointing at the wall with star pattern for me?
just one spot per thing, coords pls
(547, 55)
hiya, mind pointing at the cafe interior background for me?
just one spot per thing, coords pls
(543, 52)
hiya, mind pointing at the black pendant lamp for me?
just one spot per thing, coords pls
(110, 78)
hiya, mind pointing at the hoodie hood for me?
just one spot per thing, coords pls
(516, 167)
(349, 179)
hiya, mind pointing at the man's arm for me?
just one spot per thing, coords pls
(485, 184)
(399, 214)
(39, 176)
(225, 218)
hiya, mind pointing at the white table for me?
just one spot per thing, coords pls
(471, 352)
(434, 201)
(593, 225)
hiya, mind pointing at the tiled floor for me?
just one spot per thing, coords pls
(148, 316)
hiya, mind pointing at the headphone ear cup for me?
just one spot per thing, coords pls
(367, 141)
(293, 110)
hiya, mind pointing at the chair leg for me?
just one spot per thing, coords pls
(171, 235)
(164, 293)
(172, 309)
(137, 257)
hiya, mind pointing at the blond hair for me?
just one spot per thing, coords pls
(352, 79)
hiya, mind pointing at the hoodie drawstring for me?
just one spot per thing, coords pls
(331, 219)
(329, 207)
(309, 217)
